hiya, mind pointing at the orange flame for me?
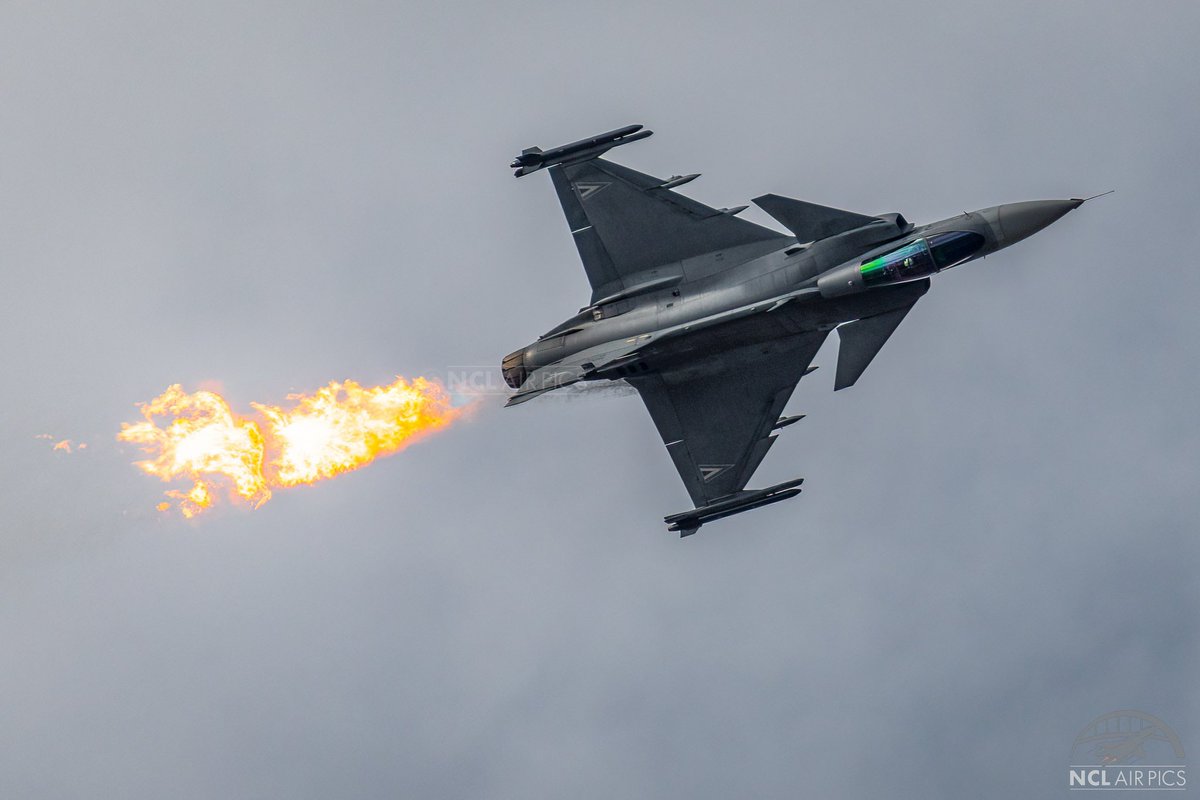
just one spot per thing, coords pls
(339, 428)
(62, 446)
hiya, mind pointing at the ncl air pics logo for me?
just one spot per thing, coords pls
(1126, 750)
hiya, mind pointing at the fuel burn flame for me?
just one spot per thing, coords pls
(63, 445)
(342, 426)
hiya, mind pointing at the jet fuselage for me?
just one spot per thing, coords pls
(804, 286)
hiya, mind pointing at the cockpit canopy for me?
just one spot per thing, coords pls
(954, 247)
(921, 257)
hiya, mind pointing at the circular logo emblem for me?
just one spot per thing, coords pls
(1127, 737)
(1127, 750)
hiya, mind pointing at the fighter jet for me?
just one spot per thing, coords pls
(714, 320)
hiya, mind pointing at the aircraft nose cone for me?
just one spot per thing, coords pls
(1021, 220)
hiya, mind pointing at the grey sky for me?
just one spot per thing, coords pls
(997, 539)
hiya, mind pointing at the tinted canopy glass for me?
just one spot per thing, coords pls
(953, 248)
(908, 263)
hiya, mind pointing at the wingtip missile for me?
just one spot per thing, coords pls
(532, 159)
(688, 522)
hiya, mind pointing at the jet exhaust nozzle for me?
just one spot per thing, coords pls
(514, 370)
